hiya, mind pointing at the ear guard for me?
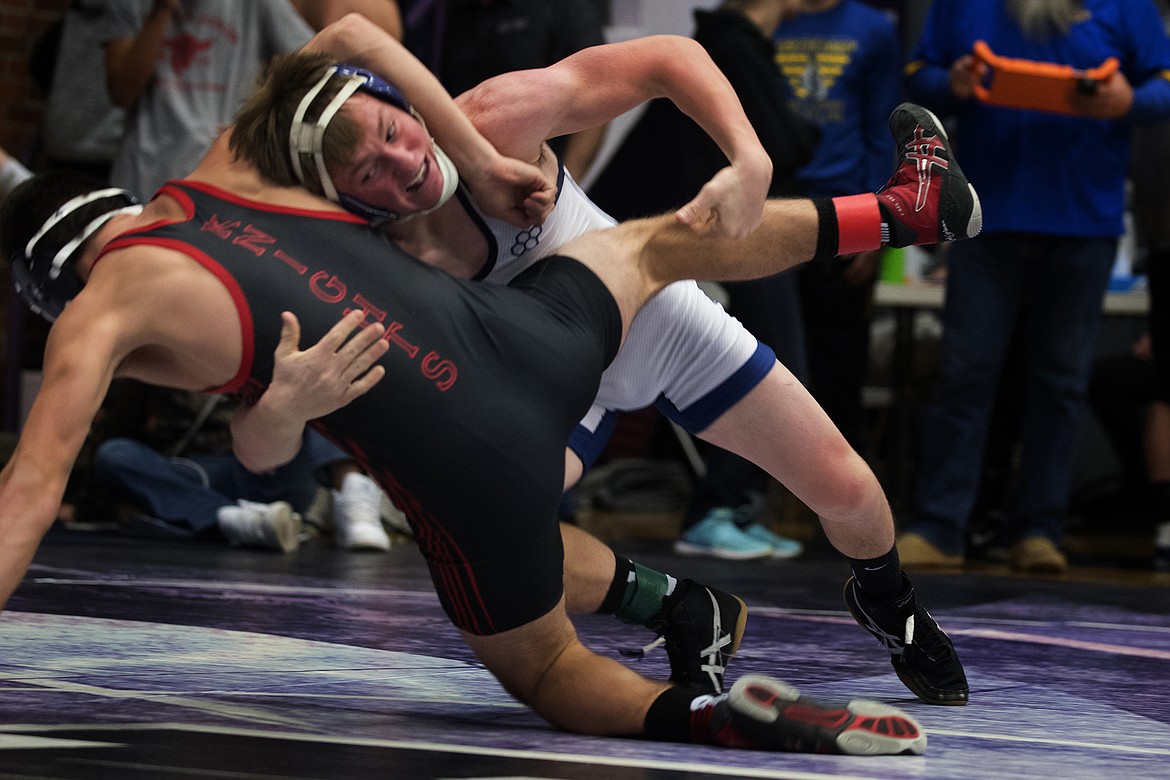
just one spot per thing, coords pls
(305, 138)
(43, 273)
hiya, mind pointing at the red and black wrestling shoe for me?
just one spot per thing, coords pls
(765, 714)
(928, 199)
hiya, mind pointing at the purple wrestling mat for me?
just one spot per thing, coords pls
(127, 658)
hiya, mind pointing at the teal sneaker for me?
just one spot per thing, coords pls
(718, 536)
(782, 546)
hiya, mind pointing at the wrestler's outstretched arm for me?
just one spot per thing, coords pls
(518, 111)
(80, 359)
(354, 40)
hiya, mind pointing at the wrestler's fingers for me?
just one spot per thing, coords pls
(336, 336)
(290, 335)
(537, 206)
(360, 361)
(362, 340)
(366, 381)
(700, 219)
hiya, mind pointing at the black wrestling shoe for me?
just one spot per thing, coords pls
(766, 714)
(928, 199)
(923, 656)
(701, 628)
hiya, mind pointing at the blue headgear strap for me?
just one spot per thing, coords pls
(372, 85)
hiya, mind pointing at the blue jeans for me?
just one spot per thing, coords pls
(188, 492)
(1056, 286)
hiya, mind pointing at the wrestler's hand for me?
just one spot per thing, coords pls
(731, 204)
(311, 383)
(514, 191)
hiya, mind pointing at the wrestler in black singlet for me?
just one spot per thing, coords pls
(483, 384)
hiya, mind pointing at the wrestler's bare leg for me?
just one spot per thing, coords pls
(637, 258)
(545, 666)
(827, 474)
(589, 570)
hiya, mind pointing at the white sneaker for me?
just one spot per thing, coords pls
(357, 518)
(269, 526)
(394, 518)
(1162, 547)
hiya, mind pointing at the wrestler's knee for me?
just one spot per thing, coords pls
(851, 483)
(522, 658)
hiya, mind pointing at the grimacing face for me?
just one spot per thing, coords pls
(393, 166)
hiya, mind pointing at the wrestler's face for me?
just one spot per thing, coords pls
(394, 164)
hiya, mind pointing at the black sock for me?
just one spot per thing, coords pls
(828, 236)
(675, 717)
(881, 577)
(617, 589)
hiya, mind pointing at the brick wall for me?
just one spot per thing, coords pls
(21, 103)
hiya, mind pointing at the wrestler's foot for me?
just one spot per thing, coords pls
(928, 199)
(922, 655)
(701, 628)
(766, 714)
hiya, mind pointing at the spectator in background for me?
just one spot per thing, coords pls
(181, 68)
(664, 159)
(181, 474)
(465, 42)
(1151, 211)
(1047, 248)
(81, 128)
(841, 63)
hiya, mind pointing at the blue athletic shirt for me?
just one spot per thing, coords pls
(1038, 172)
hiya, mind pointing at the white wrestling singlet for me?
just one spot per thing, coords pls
(683, 352)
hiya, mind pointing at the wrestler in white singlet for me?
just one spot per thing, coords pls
(683, 353)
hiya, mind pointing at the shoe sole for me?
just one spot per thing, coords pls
(919, 688)
(927, 119)
(740, 627)
(903, 734)
(371, 544)
(686, 548)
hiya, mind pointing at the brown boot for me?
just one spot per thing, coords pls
(1038, 555)
(917, 551)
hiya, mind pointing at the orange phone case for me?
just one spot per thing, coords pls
(1039, 86)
